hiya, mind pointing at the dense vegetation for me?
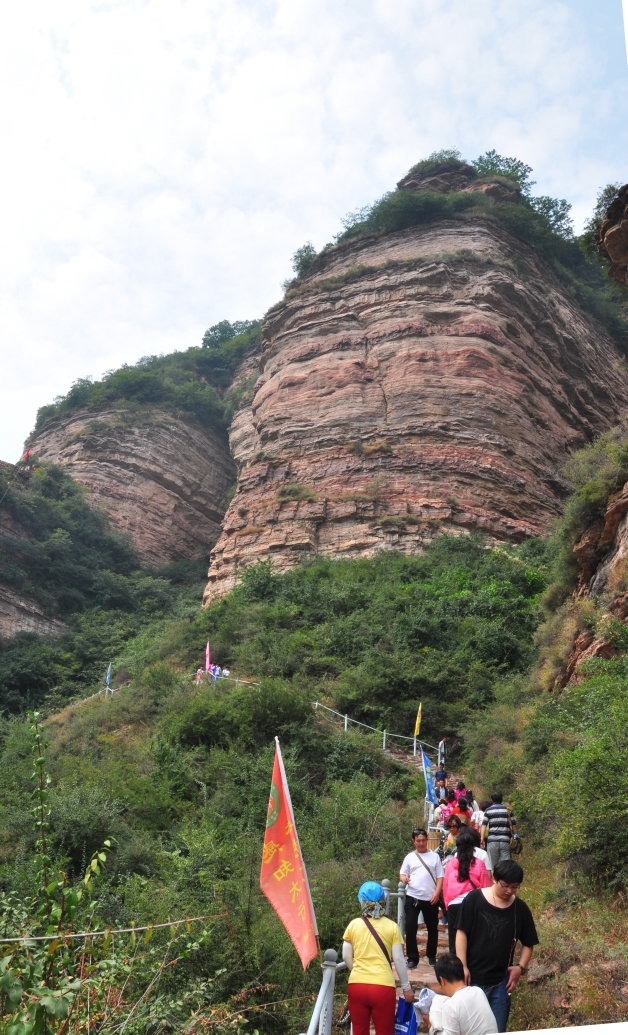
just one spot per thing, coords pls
(373, 635)
(66, 558)
(561, 753)
(178, 775)
(193, 384)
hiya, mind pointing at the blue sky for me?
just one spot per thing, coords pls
(163, 159)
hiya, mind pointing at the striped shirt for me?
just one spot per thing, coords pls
(498, 818)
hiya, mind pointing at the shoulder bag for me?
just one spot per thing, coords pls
(378, 940)
(426, 867)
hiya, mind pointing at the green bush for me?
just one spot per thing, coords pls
(249, 715)
(193, 384)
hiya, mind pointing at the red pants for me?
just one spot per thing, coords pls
(378, 1002)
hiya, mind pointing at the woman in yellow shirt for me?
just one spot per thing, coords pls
(371, 943)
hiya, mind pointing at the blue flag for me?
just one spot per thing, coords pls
(108, 676)
(430, 789)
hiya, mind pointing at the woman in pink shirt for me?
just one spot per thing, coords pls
(463, 874)
(461, 790)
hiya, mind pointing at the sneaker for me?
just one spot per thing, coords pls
(412, 964)
(432, 962)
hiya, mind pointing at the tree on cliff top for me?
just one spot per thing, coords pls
(194, 384)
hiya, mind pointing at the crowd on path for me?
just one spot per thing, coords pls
(468, 883)
(212, 674)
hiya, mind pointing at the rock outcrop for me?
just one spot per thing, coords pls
(612, 236)
(159, 478)
(430, 379)
(602, 555)
(21, 614)
(18, 612)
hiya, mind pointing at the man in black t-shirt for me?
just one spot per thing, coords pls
(490, 923)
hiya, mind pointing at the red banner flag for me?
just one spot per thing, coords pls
(207, 658)
(283, 878)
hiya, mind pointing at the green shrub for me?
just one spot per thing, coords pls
(192, 384)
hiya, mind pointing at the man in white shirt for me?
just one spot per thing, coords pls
(466, 1010)
(422, 873)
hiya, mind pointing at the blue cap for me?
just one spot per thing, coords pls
(371, 891)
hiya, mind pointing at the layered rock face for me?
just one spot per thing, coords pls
(431, 379)
(612, 236)
(159, 478)
(602, 554)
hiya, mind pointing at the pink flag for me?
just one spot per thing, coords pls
(207, 664)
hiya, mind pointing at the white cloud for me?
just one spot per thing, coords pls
(162, 160)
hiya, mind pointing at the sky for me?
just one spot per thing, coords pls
(163, 159)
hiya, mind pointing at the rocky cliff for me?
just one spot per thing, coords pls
(430, 379)
(159, 478)
(612, 236)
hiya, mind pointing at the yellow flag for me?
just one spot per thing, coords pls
(417, 725)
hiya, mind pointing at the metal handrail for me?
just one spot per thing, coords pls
(322, 1015)
(384, 733)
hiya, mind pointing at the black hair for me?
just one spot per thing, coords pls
(509, 871)
(454, 820)
(451, 796)
(417, 831)
(470, 797)
(464, 851)
(449, 968)
(484, 805)
(463, 804)
(460, 785)
(497, 797)
(475, 834)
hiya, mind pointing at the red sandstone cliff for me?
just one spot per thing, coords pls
(612, 236)
(161, 479)
(435, 378)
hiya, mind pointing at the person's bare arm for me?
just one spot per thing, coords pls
(483, 835)
(347, 954)
(461, 953)
(402, 971)
(514, 973)
(437, 891)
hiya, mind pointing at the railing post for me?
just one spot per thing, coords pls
(327, 1011)
(384, 742)
(386, 887)
(414, 752)
(346, 722)
(401, 908)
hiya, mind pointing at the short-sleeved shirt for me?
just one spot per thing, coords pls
(490, 932)
(467, 1013)
(421, 885)
(370, 966)
(498, 818)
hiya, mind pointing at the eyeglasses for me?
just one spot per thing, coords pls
(508, 887)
